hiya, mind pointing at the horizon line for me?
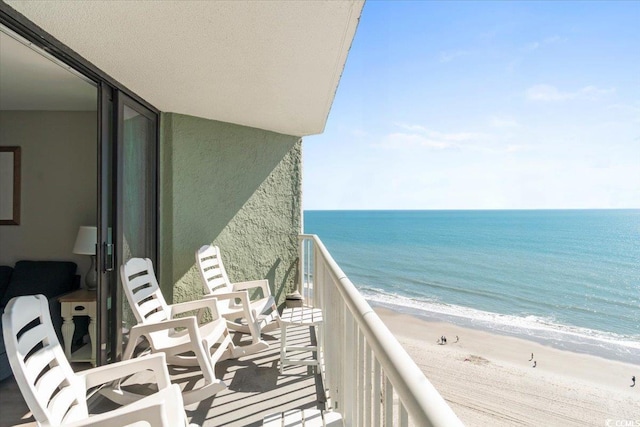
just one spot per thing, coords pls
(476, 209)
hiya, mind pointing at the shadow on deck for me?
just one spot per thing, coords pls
(255, 388)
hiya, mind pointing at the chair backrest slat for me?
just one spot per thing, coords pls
(32, 338)
(61, 403)
(145, 298)
(153, 308)
(141, 285)
(48, 384)
(143, 292)
(157, 317)
(212, 272)
(50, 381)
(38, 361)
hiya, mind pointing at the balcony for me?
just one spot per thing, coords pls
(366, 376)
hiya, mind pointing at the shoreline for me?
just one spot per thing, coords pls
(599, 345)
(488, 379)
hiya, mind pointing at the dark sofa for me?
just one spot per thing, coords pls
(49, 278)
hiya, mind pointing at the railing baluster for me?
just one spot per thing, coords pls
(349, 376)
(368, 384)
(404, 417)
(388, 403)
(350, 322)
(377, 396)
(360, 371)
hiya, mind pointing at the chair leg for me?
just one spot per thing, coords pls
(273, 320)
(253, 326)
(228, 350)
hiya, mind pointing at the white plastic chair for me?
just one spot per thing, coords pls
(247, 316)
(184, 341)
(56, 395)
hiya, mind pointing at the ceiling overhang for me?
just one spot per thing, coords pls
(272, 65)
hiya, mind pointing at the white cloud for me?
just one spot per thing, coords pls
(553, 39)
(540, 43)
(514, 148)
(359, 133)
(631, 111)
(544, 92)
(503, 122)
(532, 46)
(593, 92)
(399, 139)
(451, 55)
(420, 136)
(452, 136)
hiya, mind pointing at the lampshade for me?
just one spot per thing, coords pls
(86, 241)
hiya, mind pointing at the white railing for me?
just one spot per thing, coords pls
(368, 376)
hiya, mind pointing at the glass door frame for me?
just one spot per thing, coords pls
(120, 101)
(106, 227)
(110, 94)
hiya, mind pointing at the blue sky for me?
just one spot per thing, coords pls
(484, 105)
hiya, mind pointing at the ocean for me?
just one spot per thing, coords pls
(565, 278)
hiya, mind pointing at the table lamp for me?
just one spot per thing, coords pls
(86, 245)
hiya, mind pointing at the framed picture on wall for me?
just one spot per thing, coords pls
(9, 185)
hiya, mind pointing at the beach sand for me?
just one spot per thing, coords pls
(489, 381)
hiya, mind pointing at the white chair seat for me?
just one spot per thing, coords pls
(213, 329)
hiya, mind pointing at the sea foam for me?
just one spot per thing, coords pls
(539, 329)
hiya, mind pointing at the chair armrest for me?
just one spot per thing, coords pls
(164, 408)
(210, 303)
(103, 374)
(154, 414)
(243, 296)
(188, 322)
(262, 284)
(181, 322)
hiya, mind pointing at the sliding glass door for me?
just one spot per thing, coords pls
(126, 179)
(137, 180)
(128, 207)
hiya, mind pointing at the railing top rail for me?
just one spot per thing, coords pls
(423, 402)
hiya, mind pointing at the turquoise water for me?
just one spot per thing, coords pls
(567, 278)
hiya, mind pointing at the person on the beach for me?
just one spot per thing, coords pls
(444, 339)
(531, 357)
(633, 381)
(534, 363)
(457, 339)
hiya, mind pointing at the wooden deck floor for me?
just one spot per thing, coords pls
(255, 388)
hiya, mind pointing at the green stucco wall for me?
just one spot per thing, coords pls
(233, 186)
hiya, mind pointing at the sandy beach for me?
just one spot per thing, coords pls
(489, 381)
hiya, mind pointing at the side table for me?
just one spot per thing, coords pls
(79, 303)
(300, 316)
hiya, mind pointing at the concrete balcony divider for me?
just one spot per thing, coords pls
(367, 374)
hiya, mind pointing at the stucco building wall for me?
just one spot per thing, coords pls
(233, 186)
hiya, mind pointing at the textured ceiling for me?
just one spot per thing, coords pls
(273, 65)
